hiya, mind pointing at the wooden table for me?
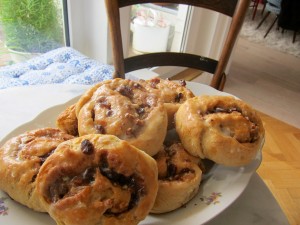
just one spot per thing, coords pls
(280, 168)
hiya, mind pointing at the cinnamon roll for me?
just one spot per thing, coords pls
(98, 179)
(67, 121)
(223, 129)
(172, 93)
(126, 109)
(179, 175)
(20, 160)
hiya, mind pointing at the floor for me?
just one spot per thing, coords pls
(269, 80)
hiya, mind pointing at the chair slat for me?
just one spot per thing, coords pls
(169, 59)
(225, 7)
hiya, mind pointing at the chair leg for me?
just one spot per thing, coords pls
(271, 26)
(265, 17)
(263, 9)
(256, 2)
(222, 82)
(294, 36)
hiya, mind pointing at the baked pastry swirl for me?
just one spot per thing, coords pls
(179, 175)
(172, 93)
(98, 179)
(223, 129)
(67, 121)
(126, 109)
(20, 160)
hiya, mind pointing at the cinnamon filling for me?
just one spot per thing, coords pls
(133, 183)
(87, 147)
(45, 156)
(178, 97)
(172, 171)
(143, 110)
(224, 110)
(125, 90)
(253, 127)
(68, 185)
(103, 102)
(154, 82)
(142, 107)
(100, 129)
(174, 174)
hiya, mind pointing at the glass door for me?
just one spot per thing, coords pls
(30, 28)
(176, 28)
(157, 27)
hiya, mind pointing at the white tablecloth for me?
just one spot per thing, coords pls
(256, 205)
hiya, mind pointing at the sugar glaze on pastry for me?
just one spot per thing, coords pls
(20, 160)
(67, 121)
(126, 109)
(223, 129)
(179, 176)
(98, 179)
(172, 93)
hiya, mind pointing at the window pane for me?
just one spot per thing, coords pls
(29, 28)
(157, 27)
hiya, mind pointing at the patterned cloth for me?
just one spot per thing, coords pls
(63, 65)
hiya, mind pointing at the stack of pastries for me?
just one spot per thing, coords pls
(126, 149)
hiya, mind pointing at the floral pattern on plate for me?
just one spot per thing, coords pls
(213, 198)
(3, 207)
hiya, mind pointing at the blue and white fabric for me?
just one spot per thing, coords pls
(63, 65)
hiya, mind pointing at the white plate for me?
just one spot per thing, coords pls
(220, 188)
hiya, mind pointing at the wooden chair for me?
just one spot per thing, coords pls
(289, 17)
(255, 5)
(272, 6)
(234, 8)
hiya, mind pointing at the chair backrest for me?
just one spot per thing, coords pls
(233, 8)
(274, 2)
(274, 6)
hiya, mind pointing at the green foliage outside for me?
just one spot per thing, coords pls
(33, 26)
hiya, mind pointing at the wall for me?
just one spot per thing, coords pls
(89, 28)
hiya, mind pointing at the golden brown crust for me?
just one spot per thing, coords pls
(126, 109)
(172, 93)
(98, 179)
(220, 128)
(179, 177)
(20, 160)
(67, 121)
